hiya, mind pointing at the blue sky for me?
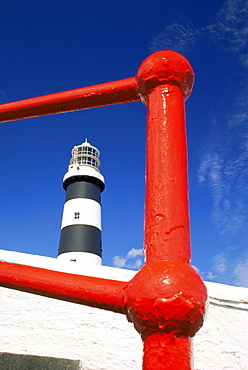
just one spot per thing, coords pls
(53, 46)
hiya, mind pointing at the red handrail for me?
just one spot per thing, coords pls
(123, 91)
(166, 298)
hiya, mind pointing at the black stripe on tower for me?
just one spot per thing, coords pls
(86, 178)
(81, 238)
(83, 189)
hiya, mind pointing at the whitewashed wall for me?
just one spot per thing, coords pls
(104, 340)
(222, 342)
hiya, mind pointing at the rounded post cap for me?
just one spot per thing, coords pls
(165, 67)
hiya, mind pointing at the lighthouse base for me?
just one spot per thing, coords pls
(83, 258)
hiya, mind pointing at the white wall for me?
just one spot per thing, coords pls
(222, 342)
(104, 340)
(47, 327)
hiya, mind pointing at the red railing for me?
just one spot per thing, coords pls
(166, 298)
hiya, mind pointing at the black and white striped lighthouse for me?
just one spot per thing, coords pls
(80, 238)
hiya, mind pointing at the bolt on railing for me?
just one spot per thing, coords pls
(166, 298)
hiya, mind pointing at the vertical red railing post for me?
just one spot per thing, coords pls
(165, 300)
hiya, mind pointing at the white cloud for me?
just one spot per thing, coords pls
(241, 273)
(130, 261)
(135, 266)
(229, 29)
(179, 36)
(230, 269)
(211, 276)
(220, 266)
(220, 263)
(230, 26)
(224, 171)
(135, 253)
(119, 261)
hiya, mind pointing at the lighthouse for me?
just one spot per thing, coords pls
(80, 238)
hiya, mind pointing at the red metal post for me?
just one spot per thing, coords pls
(166, 298)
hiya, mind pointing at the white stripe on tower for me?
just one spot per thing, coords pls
(88, 212)
(80, 238)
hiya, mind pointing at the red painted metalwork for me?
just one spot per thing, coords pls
(123, 91)
(166, 299)
(80, 289)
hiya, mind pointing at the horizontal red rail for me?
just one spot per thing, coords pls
(87, 290)
(122, 91)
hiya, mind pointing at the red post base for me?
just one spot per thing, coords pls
(164, 351)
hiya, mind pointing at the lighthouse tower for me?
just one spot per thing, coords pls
(80, 238)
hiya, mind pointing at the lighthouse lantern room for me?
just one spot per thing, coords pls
(80, 238)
